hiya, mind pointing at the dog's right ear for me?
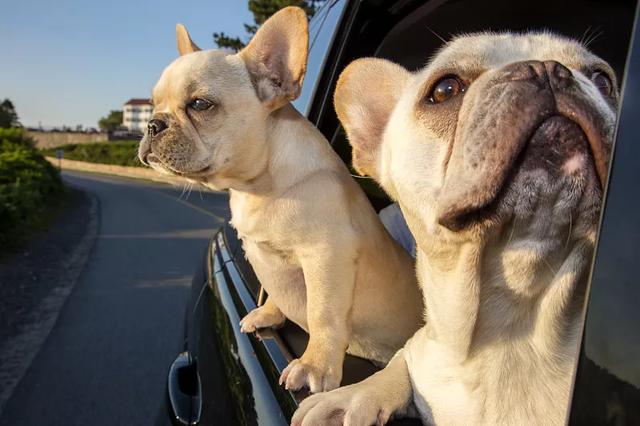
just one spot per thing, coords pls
(185, 44)
(276, 57)
(366, 94)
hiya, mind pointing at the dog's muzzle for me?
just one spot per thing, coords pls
(510, 109)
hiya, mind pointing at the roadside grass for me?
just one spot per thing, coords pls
(31, 191)
(120, 153)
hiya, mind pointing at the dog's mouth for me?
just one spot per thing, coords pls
(555, 146)
(154, 161)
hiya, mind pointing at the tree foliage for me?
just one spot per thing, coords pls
(111, 122)
(8, 115)
(29, 187)
(223, 40)
(262, 10)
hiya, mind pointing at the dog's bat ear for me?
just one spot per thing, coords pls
(185, 44)
(276, 57)
(366, 94)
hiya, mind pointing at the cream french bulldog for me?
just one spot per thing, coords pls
(497, 152)
(312, 237)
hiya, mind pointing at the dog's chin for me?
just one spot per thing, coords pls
(165, 168)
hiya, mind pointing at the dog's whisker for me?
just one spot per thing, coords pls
(566, 244)
(594, 36)
(437, 35)
(187, 189)
(546, 262)
(184, 188)
(189, 192)
(513, 229)
(584, 35)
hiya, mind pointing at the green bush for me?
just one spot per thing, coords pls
(121, 153)
(29, 187)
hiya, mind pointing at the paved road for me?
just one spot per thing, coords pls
(105, 361)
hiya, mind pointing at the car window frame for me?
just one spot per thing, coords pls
(313, 76)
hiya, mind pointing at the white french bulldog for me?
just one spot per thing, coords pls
(312, 237)
(497, 152)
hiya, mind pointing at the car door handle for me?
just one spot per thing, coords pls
(184, 390)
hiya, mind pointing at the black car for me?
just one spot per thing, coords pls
(225, 377)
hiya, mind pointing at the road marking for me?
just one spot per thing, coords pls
(193, 206)
(142, 182)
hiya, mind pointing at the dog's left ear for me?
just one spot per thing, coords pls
(366, 94)
(276, 57)
(185, 44)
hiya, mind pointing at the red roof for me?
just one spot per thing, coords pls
(138, 101)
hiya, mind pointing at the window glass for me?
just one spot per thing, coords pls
(607, 389)
(322, 29)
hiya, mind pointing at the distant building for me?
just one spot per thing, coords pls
(136, 114)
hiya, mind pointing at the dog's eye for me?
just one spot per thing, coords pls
(200, 104)
(602, 82)
(445, 89)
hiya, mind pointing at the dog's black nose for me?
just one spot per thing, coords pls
(155, 126)
(547, 72)
(559, 75)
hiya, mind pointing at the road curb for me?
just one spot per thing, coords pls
(17, 353)
(110, 169)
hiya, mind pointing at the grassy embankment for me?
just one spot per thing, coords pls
(121, 153)
(31, 191)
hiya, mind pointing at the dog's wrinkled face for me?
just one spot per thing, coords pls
(211, 107)
(206, 115)
(497, 128)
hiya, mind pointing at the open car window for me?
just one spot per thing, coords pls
(409, 32)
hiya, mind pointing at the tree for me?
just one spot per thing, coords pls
(8, 115)
(222, 40)
(111, 122)
(262, 10)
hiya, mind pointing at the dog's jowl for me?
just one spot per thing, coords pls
(311, 235)
(497, 152)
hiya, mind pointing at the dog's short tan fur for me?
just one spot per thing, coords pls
(501, 186)
(307, 228)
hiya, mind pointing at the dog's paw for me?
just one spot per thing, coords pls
(317, 377)
(261, 317)
(354, 405)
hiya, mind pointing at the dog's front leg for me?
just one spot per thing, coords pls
(267, 315)
(329, 276)
(372, 401)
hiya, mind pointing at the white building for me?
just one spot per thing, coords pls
(136, 114)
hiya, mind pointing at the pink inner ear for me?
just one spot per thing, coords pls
(274, 67)
(275, 59)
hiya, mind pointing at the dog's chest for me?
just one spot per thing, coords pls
(250, 216)
(501, 385)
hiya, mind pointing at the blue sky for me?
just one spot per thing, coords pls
(71, 61)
